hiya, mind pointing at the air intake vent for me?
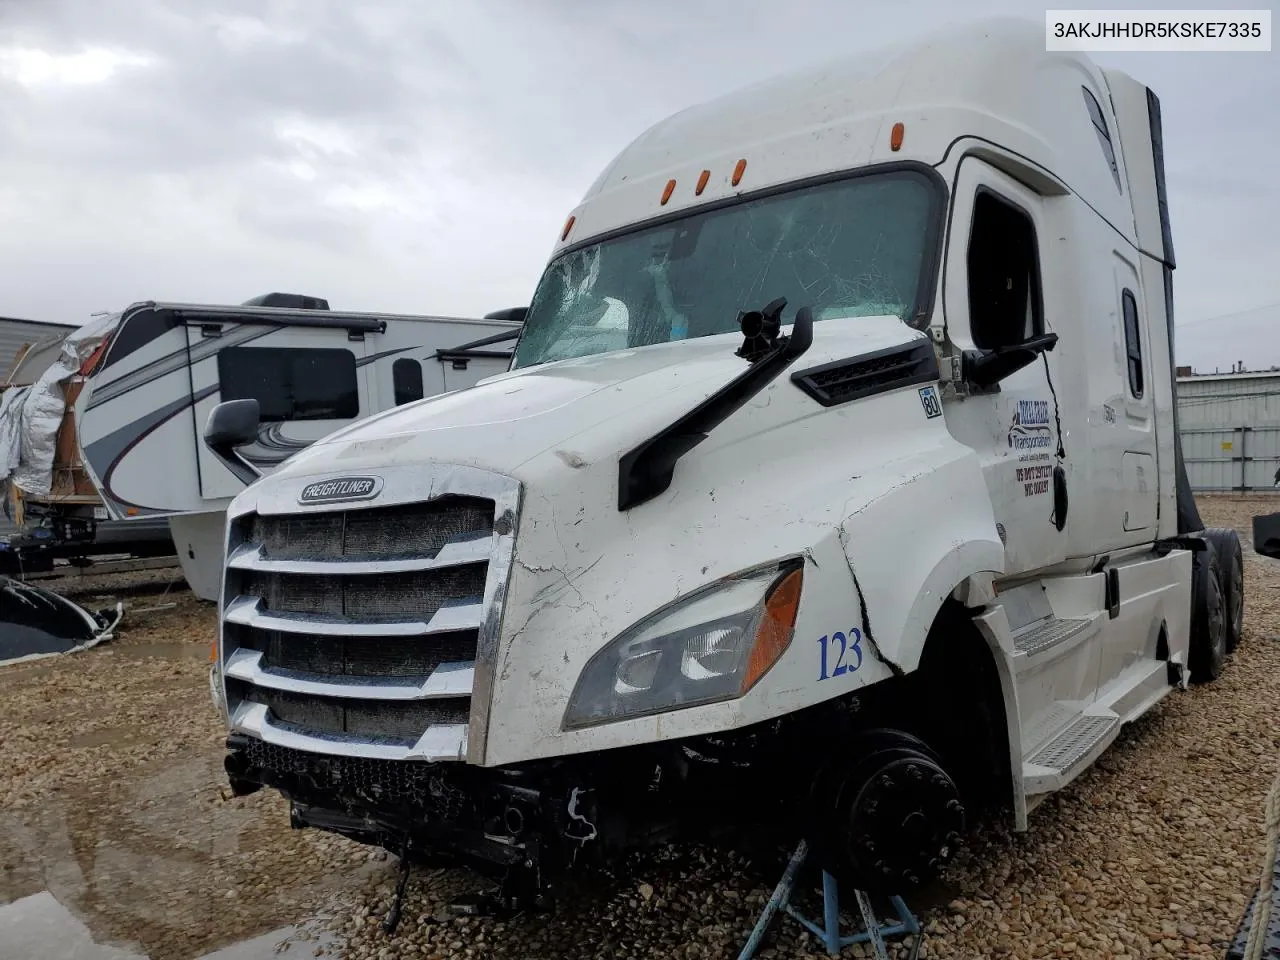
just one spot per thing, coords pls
(869, 374)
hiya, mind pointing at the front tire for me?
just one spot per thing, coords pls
(1208, 652)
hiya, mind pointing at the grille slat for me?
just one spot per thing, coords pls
(403, 721)
(446, 680)
(474, 548)
(344, 617)
(391, 657)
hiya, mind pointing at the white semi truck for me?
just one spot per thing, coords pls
(834, 491)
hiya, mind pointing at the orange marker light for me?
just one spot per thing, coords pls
(895, 136)
(702, 182)
(568, 225)
(773, 636)
(738, 171)
(666, 193)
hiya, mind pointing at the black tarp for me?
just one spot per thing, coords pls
(35, 622)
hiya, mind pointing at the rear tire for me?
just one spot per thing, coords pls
(1208, 617)
(1226, 542)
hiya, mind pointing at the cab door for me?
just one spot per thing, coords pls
(994, 294)
(308, 382)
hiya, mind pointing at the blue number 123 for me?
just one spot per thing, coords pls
(848, 644)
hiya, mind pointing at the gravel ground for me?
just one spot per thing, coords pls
(112, 797)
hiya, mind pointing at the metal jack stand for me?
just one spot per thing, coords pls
(874, 931)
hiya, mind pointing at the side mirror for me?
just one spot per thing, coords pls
(232, 424)
(1266, 535)
(986, 368)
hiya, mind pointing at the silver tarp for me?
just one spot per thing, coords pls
(41, 409)
(11, 430)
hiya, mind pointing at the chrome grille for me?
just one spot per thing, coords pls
(362, 630)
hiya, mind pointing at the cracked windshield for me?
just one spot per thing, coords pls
(379, 583)
(847, 249)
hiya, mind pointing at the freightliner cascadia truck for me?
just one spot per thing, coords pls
(834, 492)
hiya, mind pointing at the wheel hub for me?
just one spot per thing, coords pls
(900, 822)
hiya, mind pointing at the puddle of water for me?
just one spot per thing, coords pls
(268, 947)
(38, 927)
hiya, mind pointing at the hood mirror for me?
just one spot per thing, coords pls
(231, 424)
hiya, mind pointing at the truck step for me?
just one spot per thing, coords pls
(1056, 763)
(1045, 640)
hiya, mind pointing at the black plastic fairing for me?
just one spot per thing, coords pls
(1188, 514)
(645, 471)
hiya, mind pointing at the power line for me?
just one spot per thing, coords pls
(1228, 316)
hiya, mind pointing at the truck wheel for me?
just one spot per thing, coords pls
(885, 814)
(1226, 542)
(1208, 617)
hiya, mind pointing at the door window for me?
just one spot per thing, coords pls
(1132, 343)
(1004, 274)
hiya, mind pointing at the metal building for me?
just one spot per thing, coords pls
(1230, 427)
(14, 334)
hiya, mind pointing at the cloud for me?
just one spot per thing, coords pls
(420, 157)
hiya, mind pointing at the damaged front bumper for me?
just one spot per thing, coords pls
(526, 827)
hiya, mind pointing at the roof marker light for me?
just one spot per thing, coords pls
(895, 136)
(702, 182)
(568, 225)
(738, 171)
(666, 193)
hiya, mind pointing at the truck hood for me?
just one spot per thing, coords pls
(579, 408)
(782, 477)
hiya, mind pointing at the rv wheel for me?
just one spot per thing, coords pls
(1231, 557)
(1208, 617)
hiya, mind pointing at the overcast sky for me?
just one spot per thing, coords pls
(419, 156)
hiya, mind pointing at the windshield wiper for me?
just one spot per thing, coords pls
(645, 471)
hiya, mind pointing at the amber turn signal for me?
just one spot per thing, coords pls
(773, 636)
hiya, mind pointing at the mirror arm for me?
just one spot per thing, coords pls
(987, 367)
(244, 471)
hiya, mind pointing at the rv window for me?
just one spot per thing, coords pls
(406, 378)
(1132, 343)
(291, 383)
(1004, 274)
(1104, 135)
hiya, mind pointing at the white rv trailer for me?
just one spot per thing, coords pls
(311, 369)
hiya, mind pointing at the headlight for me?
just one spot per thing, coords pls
(712, 645)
